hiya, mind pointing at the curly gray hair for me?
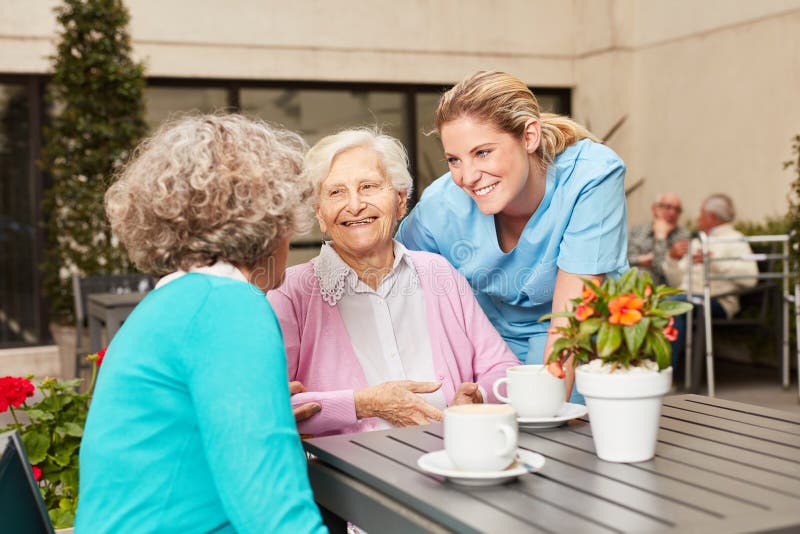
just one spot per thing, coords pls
(392, 154)
(206, 188)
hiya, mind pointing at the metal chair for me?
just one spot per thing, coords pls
(83, 286)
(766, 287)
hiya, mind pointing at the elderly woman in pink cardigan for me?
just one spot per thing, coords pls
(379, 335)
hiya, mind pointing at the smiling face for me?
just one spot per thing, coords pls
(490, 165)
(358, 206)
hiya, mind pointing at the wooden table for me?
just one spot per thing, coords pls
(109, 309)
(720, 466)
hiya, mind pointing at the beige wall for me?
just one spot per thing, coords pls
(709, 87)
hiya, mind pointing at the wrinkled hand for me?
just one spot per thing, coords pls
(304, 411)
(468, 393)
(397, 402)
(645, 260)
(662, 228)
(679, 249)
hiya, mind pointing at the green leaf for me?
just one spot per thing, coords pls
(635, 334)
(39, 415)
(609, 338)
(61, 518)
(674, 307)
(73, 429)
(627, 281)
(36, 444)
(590, 325)
(561, 344)
(662, 349)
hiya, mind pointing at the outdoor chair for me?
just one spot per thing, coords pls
(83, 286)
(770, 297)
(22, 509)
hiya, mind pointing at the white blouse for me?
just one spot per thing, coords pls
(387, 326)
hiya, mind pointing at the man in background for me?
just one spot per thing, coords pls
(649, 244)
(716, 220)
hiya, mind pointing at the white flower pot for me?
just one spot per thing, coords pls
(624, 411)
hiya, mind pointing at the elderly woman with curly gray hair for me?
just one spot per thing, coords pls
(190, 428)
(380, 335)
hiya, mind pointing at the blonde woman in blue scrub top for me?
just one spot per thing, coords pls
(532, 203)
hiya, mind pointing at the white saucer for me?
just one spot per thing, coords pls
(438, 463)
(568, 411)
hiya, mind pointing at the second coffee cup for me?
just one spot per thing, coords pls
(480, 437)
(532, 391)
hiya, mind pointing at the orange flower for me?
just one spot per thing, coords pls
(625, 310)
(583, 312)
(670, 332)
(588, 295)
(648, 290)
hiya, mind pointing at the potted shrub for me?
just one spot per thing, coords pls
(620, 333)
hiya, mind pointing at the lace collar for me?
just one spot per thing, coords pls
(333, 273)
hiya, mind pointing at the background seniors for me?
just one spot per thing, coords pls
(190, 428)
(532, 204)
(378, 334)
(649, 243)
(715, 218)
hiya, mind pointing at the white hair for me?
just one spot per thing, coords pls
(391, 153)
(720, 205)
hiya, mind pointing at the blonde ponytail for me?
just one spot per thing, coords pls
(559, 132)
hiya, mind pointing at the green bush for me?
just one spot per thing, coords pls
(97, 94)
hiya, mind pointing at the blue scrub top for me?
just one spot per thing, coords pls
(580, 227)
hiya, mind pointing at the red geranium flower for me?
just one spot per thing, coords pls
(100, 356)
(14, 391)
(37, 472)
(625, 310)
(670, 332)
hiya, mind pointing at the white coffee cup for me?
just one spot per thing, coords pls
(532, 391)
(480, 437)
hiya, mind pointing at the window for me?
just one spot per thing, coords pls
(20, 305)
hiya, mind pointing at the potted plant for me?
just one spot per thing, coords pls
(51, 430)
(620, 331)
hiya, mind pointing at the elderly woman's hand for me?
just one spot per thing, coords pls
(397, 403)
(468, 393)
(304, 411)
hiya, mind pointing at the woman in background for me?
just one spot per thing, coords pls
(190, 427)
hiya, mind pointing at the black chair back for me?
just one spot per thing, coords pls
(83, 286)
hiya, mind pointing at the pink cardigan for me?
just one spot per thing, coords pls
(465, 345)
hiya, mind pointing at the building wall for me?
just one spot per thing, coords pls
(709, 88)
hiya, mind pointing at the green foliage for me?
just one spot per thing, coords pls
(97, 92)
(776, 225)
(794, 198)
(52, 439)
(623, 322)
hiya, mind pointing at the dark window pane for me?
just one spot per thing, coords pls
(430, 155)
(165, 101)
(18, 301)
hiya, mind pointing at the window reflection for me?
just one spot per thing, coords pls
(19, 305)
(162, 102)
